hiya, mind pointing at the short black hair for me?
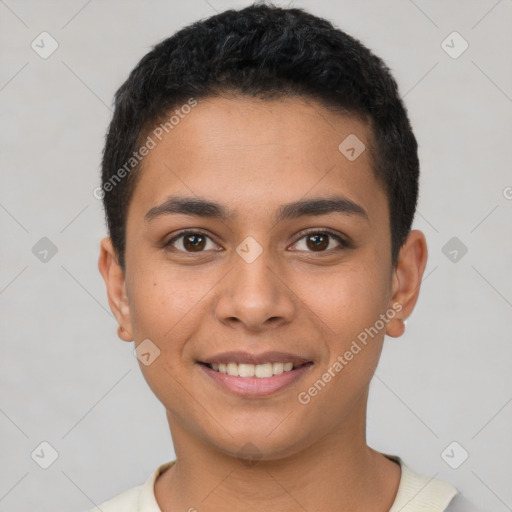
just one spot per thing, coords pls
(262, 51)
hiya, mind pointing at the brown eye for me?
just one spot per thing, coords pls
(320, 241)
(194, 242)
(188, 241)
(317, 241)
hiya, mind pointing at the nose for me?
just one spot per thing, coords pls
(254, 294)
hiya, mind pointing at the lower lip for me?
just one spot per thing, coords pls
(255, 386)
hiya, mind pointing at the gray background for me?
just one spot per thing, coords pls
(68, 380)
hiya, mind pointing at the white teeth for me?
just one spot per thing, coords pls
(263, 370)
(277, 368)
(246, 370)
(260, 371)
(233, 369)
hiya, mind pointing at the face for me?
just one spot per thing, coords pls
(284, 270)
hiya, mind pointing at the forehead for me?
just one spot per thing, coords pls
(249, 153)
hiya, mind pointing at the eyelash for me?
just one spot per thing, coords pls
(344, 244)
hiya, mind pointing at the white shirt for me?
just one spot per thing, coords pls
(416, 493)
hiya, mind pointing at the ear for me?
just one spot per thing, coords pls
(113, 276)
(407, 277)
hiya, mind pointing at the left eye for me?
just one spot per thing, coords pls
(319, 241)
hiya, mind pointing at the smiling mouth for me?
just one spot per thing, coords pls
(261, 371)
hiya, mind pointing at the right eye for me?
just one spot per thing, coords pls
(191, 241)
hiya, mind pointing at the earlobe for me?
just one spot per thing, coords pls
(395, 327)
(407, 278)
(113, 276)
(123, 334)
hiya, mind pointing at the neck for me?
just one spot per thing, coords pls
(336, 472)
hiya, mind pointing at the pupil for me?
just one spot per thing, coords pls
(194, 244)
(317, 242)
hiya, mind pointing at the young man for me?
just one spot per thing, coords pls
(260, 179)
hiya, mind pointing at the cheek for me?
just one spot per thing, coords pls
(167, 306)
(151, 309)
(350, 303)
(348, 300)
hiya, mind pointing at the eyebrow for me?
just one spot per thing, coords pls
(200, 207)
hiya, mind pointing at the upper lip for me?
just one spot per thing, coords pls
(248, 358)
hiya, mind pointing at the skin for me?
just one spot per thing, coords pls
(253, 156)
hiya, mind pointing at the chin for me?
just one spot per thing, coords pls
(252, 446)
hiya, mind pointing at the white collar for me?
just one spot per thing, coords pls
(416, 493)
